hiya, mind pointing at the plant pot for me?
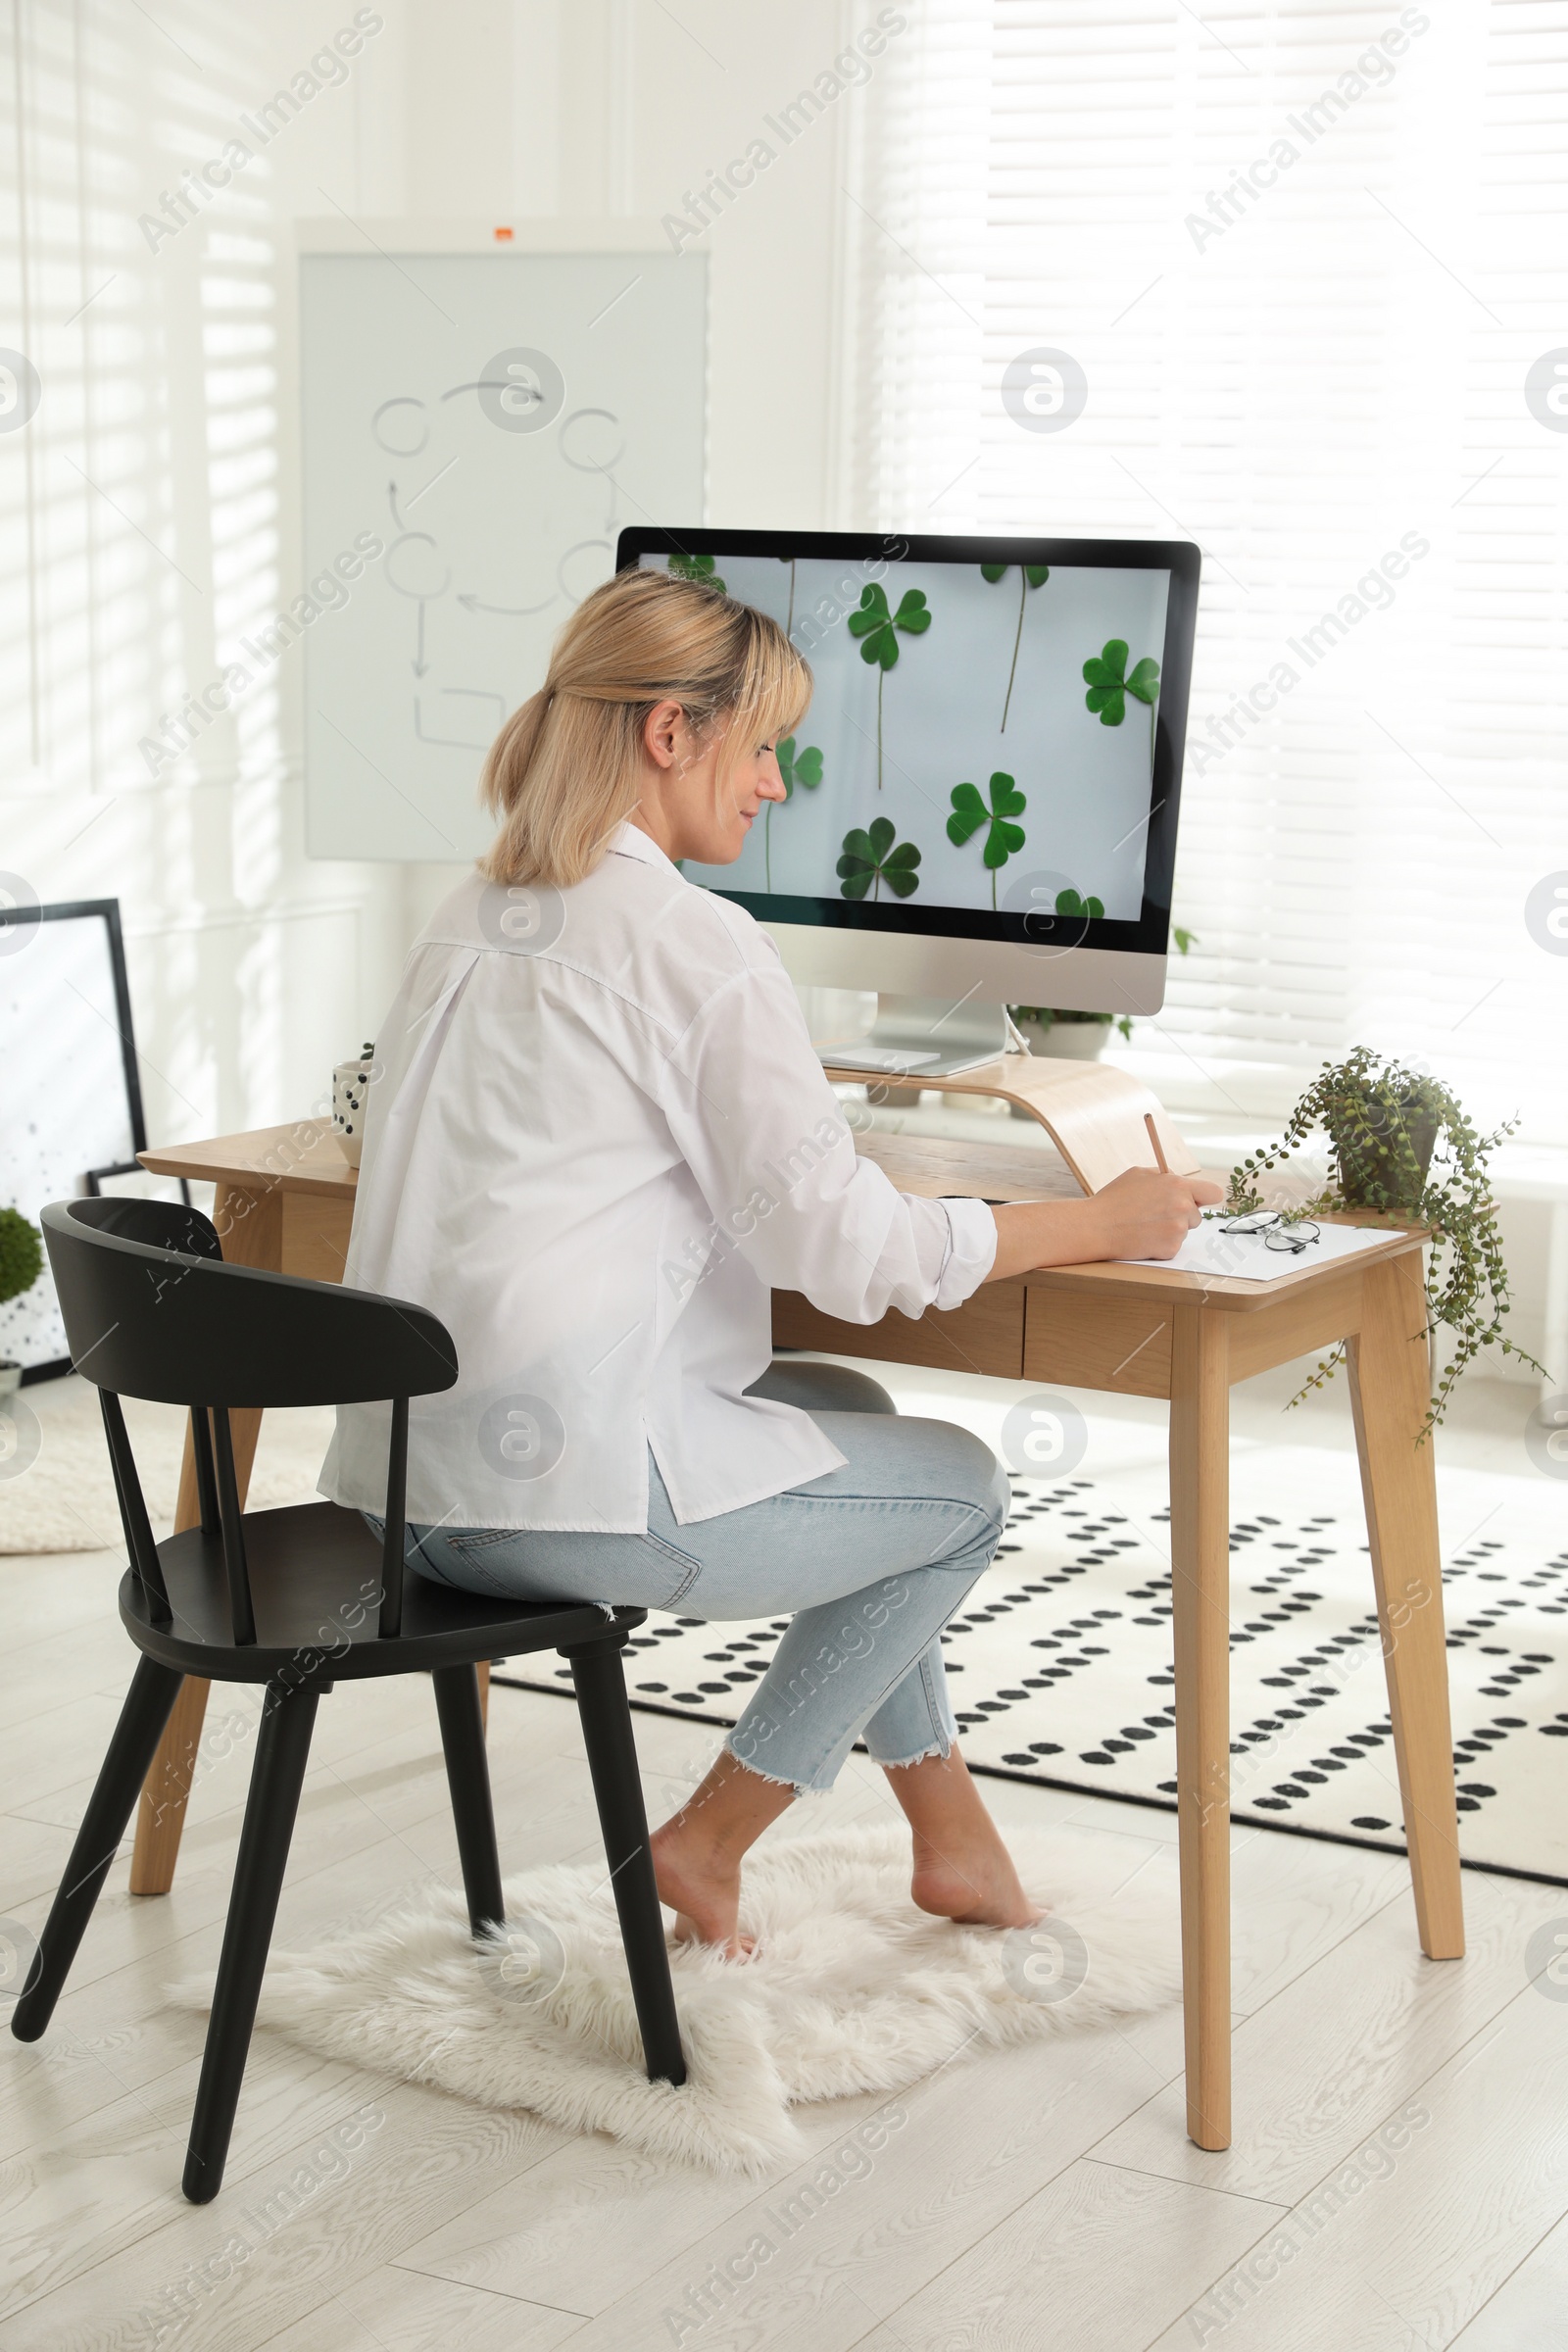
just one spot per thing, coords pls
(10, 1380)
(1068, 1040)
(1361, 1170)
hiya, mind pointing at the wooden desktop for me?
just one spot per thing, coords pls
(285, 1199)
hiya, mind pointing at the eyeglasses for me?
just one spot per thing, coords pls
(1269, 1227)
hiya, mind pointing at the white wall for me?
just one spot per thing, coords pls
(149, 510)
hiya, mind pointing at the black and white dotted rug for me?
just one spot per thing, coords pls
(1060, 1664)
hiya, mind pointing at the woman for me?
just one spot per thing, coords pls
(601, 1138)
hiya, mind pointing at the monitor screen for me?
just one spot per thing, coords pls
(993, 748)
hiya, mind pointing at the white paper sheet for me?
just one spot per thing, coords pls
(1242, 1258)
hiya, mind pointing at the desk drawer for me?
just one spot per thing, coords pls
(1091, 1342)
(984, 1335)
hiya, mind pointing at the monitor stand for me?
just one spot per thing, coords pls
(1101, 1119)
(925, 1038)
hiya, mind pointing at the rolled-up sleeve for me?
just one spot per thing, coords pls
(972, 1252)
(766, 1137)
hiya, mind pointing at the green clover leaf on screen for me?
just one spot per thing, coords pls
(798, 768)
(877, 628)
(795, 767)
(1110, 682)
(698, 568)
(1069, 902)
(970, 812)
(1030, 575)
(870, 860)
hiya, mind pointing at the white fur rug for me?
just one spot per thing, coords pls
(852, 1989)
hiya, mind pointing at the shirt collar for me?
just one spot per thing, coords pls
(632, 842)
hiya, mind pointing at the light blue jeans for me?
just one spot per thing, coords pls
(869, 1562)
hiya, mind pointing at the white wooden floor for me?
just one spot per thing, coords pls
(1399, 2175)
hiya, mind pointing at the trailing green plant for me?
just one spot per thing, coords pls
(1030, 575)
(1403, 1146)
(20, 1255)
(701, 568)
(1110, 682)
(795, 767)
(870, 860)
(878, 631)
(1002, 838)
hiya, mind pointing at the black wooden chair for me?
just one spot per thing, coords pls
(298, 1600)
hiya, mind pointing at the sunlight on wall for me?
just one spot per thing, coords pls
(146, 536)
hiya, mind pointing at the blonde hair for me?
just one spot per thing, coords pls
(566, 767)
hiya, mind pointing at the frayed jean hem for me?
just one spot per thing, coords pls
(939, 1749)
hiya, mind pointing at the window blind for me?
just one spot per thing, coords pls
(1308, 258)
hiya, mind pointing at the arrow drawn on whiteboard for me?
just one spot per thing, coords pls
(455, 742)
(478, 603)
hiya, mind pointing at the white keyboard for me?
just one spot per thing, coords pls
(878, 1058)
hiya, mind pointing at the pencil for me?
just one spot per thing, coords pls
(1159, 1156)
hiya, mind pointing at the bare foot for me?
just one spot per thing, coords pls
(696, 1854)
(962, 1871)
(978, 1888)
(703, 1891)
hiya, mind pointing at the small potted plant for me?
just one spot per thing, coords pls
(1401, 1146)
(20, 1264)
(1080, 1036)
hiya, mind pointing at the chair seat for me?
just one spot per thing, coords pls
(316, 1582)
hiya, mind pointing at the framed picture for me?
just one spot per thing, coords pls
(73, 1115)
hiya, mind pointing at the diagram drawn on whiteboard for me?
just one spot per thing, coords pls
(490, 421)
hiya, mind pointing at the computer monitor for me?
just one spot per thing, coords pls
(983, 797)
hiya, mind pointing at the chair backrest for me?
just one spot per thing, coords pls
(152, 1311)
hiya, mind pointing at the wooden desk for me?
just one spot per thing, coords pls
(285, 1199)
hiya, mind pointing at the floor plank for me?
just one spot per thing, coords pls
(308, 2215)
(1404, 2240)
(929, 2173)
(1098, 2259)
(1530, 2307)
(1321, 2064)
(393, 2310)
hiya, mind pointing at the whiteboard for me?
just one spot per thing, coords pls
(490, 420)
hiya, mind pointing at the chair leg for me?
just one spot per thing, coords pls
(276, 1776)
(148, 1704)
(458, 1704)
(1200, 1592)
(600, 1686)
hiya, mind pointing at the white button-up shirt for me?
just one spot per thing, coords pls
(599, 1139)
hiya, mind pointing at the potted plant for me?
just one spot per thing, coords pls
(1069, 1035)
(1403, 1147)
(20, 1264)
(1080, 1036)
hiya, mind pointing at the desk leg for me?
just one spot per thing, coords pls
(1200, 1582)
(251, 1227)
(1388, 1388)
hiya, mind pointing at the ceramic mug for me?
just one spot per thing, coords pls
(352, 1081)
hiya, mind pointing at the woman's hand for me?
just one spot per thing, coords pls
(1141, 1213)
